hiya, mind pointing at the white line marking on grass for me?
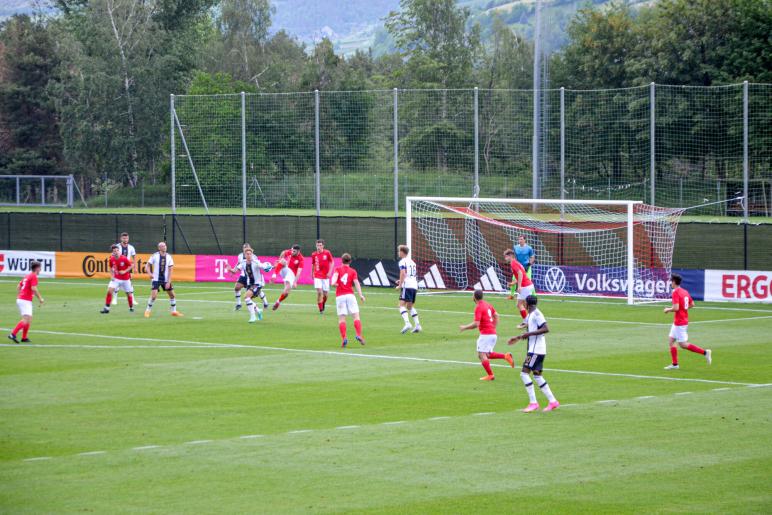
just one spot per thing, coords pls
(198, 442)
(145, 447)
(348, 427)
(395, 422)
(483, 413)
(730, 320)
(439, 418)
(759, 385)
(91, 453)
(247, 437)
(644, 397)
(298, 431)
(568, 405)
(361, 355)
(721, 389)
(683, 393)
(606, 401)
(40, 458)
(197, 318)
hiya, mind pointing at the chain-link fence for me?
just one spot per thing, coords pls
(674, 146)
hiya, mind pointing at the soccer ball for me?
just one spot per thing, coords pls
(267, 267)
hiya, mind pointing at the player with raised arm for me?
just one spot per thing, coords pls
(120, 270)
(408, 283)
(252, 269)
(534, 358)
(26, 290)
(241, 282)
(289, 267)
(485, 320)
(344, 279)
(322, 262)
(159, 268)
(522, 281)
(130, 252)
(682, 302)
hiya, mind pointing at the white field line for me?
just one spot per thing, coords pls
(683, 393)
(361, 355)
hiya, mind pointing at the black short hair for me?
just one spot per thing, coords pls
(34, 265)
(296, 247)
(478, 295)
(124, 234)
(676, 279)
(318, 241)
(531, 300)
(114, 246)
(346, 258)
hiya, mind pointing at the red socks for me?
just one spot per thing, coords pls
(283, 296)
(321, 305)
(674, 354)
(358, 327)
(108, 299)
(495, 355)
(487, 366)
(523, 314)
(696, 349)
(131, 299)
(25, 331)
(342, 327)
(18, 327)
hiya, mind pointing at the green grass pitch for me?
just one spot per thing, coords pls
(208, 414)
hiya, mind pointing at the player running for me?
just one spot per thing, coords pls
(408, 282)
(485, 320)
(130, 252)
(522, 281)
(27, 289)
(534, 358)
(120, 269)
(252, 269)
(343, 279)
(242, 280)
(322, 263)
(289, 267)
(682, 302)
(159, 268)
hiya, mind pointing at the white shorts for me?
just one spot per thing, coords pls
(121, 284)
(25, 307)
(679, 333)
(486, 342)
(347, 304)
(524, 292)
(322, 284)
(287, 275)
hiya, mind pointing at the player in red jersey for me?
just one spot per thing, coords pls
(524, 284)
(120, 268)
(682, 302)
(28, 288)
(485, 320)
(289, 267)
(322, 262)
(343, 279)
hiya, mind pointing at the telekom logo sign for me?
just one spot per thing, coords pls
(738, 286)
(221, 267)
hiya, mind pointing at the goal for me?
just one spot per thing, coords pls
(582, 247)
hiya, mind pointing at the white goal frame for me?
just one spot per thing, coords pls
(535, 202)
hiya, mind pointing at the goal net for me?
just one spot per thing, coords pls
(595, 248)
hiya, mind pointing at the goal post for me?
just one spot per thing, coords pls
(607, 248)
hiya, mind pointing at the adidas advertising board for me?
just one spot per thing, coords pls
(376, 272)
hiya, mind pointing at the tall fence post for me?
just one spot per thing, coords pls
(243, 166)
(476, 188)
(562, 148)
(652, 144)
(746, 174)
(537, 56)
(317, 164)
(173, 159)
(395, 137)
(18, 190)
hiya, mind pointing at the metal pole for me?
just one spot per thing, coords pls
(476, 189)
(173, 154)
(652, 145)
(536, 101)
(562, 148)
(630, 260)
(745, 151)
(395, 137)
(18, 190)
(243, 167)
(318, 167)
(43, 190)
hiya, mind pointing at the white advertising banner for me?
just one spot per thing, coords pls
(738, 285)
(16, 262)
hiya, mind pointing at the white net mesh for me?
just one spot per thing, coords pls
(580, 248)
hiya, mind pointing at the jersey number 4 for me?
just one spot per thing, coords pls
(344, 279)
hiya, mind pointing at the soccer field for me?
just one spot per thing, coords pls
(208, 414)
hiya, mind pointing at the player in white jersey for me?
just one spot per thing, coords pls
(130, 252)
(408, 283)
(242, 281)
(252, 270)
(535, 353)
(159, 268)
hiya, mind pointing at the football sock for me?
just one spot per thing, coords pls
(528, 387)
(674, 354)
(108, 300)
(250, 306)
(487, 366)
(403, 312)
(25, 330)
(262, 295)
(414, 314)
(321, 306)
(324, 300)
(130, 296)
(696, 349)
(342, 328)
(523, 314)
(173, 304)
(358, 327)
(18, 327)
(545, 388)
(149, 304)
(283, 296)
(238, 297)
(495, 355)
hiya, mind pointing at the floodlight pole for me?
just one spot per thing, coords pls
(173, 159)
(243, 167)
(562, 149)
(476, 188)
(395, 137)
(317, 166)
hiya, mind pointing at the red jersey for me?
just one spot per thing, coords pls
(517, 267)
(484, 315)
(26, 284)
(293, 262)
(120, 263)
(684, 301)
(322, 263)
(346, 278)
